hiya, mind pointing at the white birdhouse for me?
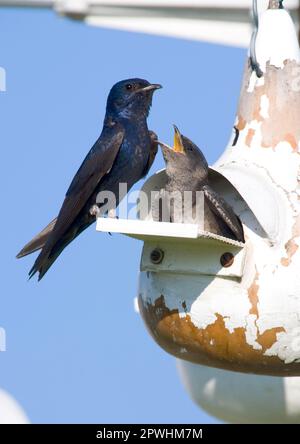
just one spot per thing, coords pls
(213, 301)
(242, 398)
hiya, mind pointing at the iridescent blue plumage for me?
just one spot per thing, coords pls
(123, 153)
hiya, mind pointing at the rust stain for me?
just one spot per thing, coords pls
(214, 345)
(249, 137)
(284, 105)
(253, 295)
(292, 141)
(291, 247)
(268, 338)
(257, 115)
(241, 123)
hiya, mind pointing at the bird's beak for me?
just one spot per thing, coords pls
(151, 87)
(164, 145)
(178, 144)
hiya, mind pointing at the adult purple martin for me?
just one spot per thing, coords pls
(123, 153)
(187, 170)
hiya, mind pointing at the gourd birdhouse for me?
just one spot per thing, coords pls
(208, 299)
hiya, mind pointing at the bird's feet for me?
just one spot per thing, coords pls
(94, 210)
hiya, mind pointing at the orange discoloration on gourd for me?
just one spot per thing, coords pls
(249, 137)
(291, 247)
(253, 296)
(213, 345)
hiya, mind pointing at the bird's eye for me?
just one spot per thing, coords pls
(129, 86)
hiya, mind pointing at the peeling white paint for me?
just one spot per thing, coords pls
(251, 332)
(255, 82)
(252, 82)
(268, 180)
(264, 106)
(283, 349)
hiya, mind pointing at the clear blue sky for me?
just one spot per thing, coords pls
(76, 350)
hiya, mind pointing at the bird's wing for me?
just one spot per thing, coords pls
(161, 207)
(152, 154)
(223, 210)
(98, 161)
(97, 164)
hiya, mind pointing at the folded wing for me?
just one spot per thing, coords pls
(95, 166)
(224, 211)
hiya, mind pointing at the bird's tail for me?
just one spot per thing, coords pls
(38, 241)
(50, 253)
(44, 261)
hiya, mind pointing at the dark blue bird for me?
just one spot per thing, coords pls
(123, 153)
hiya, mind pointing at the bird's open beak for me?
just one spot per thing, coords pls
(178, 145)
(151, 87)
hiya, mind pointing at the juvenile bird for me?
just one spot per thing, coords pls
(123, 153)
(187, 171)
